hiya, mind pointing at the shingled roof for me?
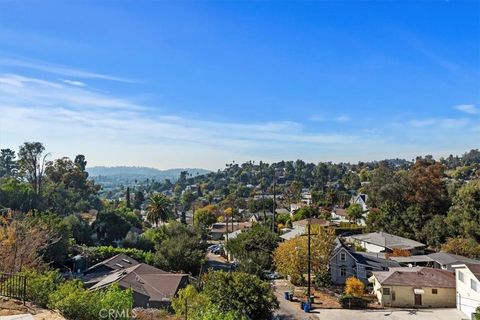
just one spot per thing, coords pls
(387, 240)
(146, 280)
(416, 276)
(120, 261)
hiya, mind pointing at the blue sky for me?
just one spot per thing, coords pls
(199, 84)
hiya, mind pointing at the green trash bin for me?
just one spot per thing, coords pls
(311, 299)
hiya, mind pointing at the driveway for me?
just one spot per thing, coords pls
(394, 314)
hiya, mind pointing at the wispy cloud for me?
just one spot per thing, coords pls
(62, 107)
(61, 70)
(74, 82)
(439, 122)
(467, 108)
(338, 119)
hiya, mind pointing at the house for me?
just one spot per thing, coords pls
(418, 287)
(300, 227)
(446, 261)
(259, 216)
(117, 262)
(219, 229)
(385, 242)
(360, 199)
(467, 280)
(339, 214)
(345, 263)
(281, 211)
(437, 260)
(151, 287)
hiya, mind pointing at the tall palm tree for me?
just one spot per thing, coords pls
(159, 208)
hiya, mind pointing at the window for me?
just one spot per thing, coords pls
(386, 291)
(434, 291)
(343, 256)
(343, 272)
(393, 295)
(473, 284)
(460, 276)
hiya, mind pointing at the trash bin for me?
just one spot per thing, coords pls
(286, 294)
(311, 299)
(306, 307)
(302, 304)
(290, 297)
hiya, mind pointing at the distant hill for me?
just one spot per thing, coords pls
(124, 173)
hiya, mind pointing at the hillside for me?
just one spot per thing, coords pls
(141, 172)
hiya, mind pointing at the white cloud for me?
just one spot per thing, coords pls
(74, 82)
(60, 70)
(74, 117)
(338, 119)
(468, 108)
(420, 123)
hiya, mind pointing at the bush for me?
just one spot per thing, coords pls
(354, 287)
(76, 303)
(97, 254)
(351, 302)
(41, 285)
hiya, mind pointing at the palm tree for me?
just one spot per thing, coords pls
(159, 208)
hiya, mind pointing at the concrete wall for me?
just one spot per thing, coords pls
(467, 299)
(404, 296)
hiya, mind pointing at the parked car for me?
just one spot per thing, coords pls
(271, 275)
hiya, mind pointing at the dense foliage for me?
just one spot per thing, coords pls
(253, 249)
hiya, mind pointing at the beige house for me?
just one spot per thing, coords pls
(419, 287)
(467, 278)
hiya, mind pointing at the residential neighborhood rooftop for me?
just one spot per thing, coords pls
(387, 240)
(419, 276)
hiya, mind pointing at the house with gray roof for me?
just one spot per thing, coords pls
(385, 242)
(345, 263)
(437, 260)
(418, 287)
(152, 287)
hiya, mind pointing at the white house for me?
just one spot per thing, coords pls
(385, 242)
(467, 278)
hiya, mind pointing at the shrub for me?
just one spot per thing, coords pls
(354, 287)
(74, 302)
(41, 285)
(352, 302)
(97, 254)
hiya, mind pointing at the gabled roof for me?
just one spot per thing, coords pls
(416, 277)
(364, 258)
(119, 261)
(313, 221)
(387, 240)
(144, 279)
(449, 258)
(475, 269)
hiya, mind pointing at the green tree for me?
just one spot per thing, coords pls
(182, 249)
(159, 208)
(8, 165)
(31, 160)
(206, 216)
(354, 212)
(253, 249)
(138, 200)
(464, 215)
(242, 293)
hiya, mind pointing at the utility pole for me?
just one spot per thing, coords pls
(274, 202)
(263, 194)
(226, 230)
(309, 257)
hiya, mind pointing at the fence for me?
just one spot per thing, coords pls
(13, 286)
